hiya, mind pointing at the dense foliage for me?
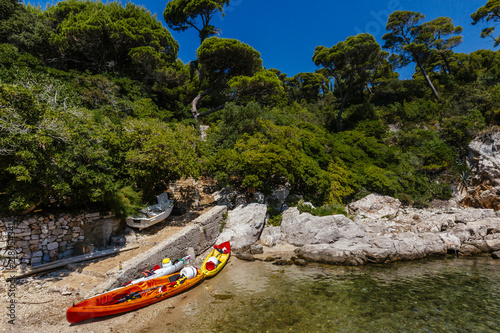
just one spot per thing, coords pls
(95, 109)
(184, 14)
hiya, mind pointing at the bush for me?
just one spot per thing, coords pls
(125, 202)
(275, 221)
(325, 210)
(405, 199)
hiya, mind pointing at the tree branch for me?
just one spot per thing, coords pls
(194, 104)
(212, 111)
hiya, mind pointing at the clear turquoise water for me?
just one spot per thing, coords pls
(446, 295)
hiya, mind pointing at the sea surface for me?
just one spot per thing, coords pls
(438, 295)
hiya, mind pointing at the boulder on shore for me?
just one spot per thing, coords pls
(414, 236)
(375, 206)
(271, 236)
(244, 225)
(484, 161)
(301, 229)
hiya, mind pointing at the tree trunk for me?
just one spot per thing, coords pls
(212, 111)
(368, 88)
(194, 105)
(446, 63)
(429, 82)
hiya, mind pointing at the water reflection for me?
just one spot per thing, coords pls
(459, 295)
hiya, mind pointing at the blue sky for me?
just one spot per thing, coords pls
(286, 32)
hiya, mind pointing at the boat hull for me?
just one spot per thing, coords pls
(144, 222)
(158, 273)
(220, 256)
(116, 302)
(152, 214)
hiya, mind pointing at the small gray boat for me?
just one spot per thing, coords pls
(152, 214)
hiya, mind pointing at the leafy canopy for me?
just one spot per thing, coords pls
(109, 37)
(441, 36)
(489, 12)
(222, 59)
(264, 87)
(351, 63)
(7, 7)
(183, 14)
(403, 39)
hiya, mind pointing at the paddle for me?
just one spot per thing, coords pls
(135, 295)
(138, 294)
(129, 297)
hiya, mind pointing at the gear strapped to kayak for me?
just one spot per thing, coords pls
(148, 290)
(212, 263)
(134, 296)
(129, 297)
(167, 267)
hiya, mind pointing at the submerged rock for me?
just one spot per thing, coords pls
(299, 261)
(245, 256)
(272, 258)
(283, 262)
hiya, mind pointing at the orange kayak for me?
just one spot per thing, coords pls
(135, 296)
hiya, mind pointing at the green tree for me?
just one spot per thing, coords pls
(26, 28)
(221, 60)
(7, 7)
(308, 86)
(263, 87)
(236, 121)
(403, 41)
(351, 64)
(480, 64)
(340, 183)
(184, 14)
(274, 155)
(50, 155)
(157, 153)
(29, 30)
(489, 12)
(434, 34)
(110, 37)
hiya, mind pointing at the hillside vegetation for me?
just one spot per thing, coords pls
(96, 109)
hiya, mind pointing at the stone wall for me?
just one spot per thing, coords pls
(36, 239)
(197, 237)
(190, 193)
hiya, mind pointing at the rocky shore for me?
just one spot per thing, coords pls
(379, 229)
(368, 237)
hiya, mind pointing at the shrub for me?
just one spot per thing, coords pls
(124, 202)
(404, 198)
(275, 217)
(325, 210)
(275, 220)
